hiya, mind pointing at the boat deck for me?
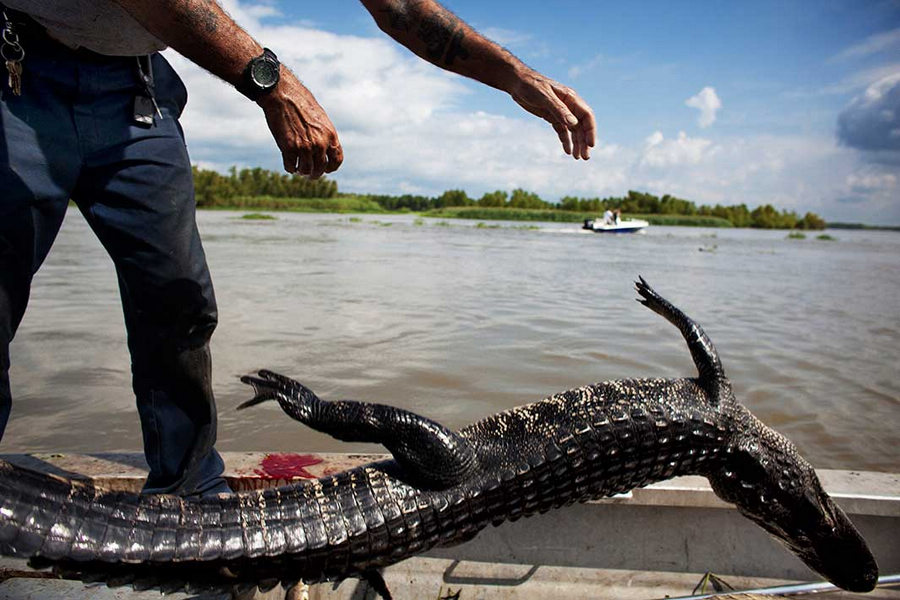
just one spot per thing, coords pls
(655, 542)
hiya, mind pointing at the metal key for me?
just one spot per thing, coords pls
(156, 106)
(14, 67)
(145, 71)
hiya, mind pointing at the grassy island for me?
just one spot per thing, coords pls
(258, 189)
(566, 216)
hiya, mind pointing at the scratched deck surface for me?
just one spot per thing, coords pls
(436, 579)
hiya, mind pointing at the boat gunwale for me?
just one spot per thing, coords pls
(858, 492)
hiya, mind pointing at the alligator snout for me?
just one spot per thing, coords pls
(839, 552)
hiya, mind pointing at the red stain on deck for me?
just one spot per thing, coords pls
(287, 466)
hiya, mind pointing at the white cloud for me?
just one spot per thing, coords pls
(874, 44)
(684, 150)
(848, 84)
(479, 152)
(523, 44)
(506, 37)
(870, 193)
(864, 181)
(708, 103)
(578, 70)
(879, 89)
(262, 11)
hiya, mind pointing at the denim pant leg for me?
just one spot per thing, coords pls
(136, 192)
(38, 169)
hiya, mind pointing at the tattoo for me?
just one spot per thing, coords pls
(399, 16)
(456, 50)
(443, 34)
(441, 31)
(201, 15)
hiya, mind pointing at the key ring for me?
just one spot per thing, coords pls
(16, 48)
(10, 41)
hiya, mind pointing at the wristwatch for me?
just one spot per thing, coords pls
(261, 75)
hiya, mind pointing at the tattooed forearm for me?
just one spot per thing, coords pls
(441, 32)
(398, 15)
(443, 35)
(200, 30)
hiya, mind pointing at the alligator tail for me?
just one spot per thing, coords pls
(56, 518)
(229, 542)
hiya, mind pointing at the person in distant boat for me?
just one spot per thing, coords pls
(617, 216)
(608, 217)
(89, 112)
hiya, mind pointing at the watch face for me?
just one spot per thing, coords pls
(264, 73)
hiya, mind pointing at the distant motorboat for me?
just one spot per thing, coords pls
(623, 226)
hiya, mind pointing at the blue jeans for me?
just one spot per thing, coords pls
(71, 135)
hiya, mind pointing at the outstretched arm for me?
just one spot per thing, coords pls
(440, 37)
(205, 34)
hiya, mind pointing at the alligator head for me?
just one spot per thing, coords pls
(772, 485)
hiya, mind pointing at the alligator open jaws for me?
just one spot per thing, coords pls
(441, 488)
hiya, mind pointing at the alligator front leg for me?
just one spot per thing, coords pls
(431, 455)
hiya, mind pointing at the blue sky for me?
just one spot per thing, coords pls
(794, 103)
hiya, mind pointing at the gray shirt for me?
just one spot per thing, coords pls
(99, 25)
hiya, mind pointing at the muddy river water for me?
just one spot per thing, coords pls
(456, 321)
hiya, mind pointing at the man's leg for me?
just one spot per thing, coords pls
(136, 191)
(39, 164)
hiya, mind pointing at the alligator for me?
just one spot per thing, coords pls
(440, 488)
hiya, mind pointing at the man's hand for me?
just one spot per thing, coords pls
(570, 116)
(440, 37)
(305, 135)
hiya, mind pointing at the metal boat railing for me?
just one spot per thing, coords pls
(800, 589)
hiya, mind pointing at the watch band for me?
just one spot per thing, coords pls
(260, 76)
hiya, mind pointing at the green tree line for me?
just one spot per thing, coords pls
(634, 203)
(213, 189)
(216, 190)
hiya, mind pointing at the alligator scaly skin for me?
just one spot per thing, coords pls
(586, 443)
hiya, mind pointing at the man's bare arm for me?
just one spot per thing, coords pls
(202, 32)
(437, 35)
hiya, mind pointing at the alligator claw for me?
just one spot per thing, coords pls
(262, 394)
(267, 385)
(648, 294)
